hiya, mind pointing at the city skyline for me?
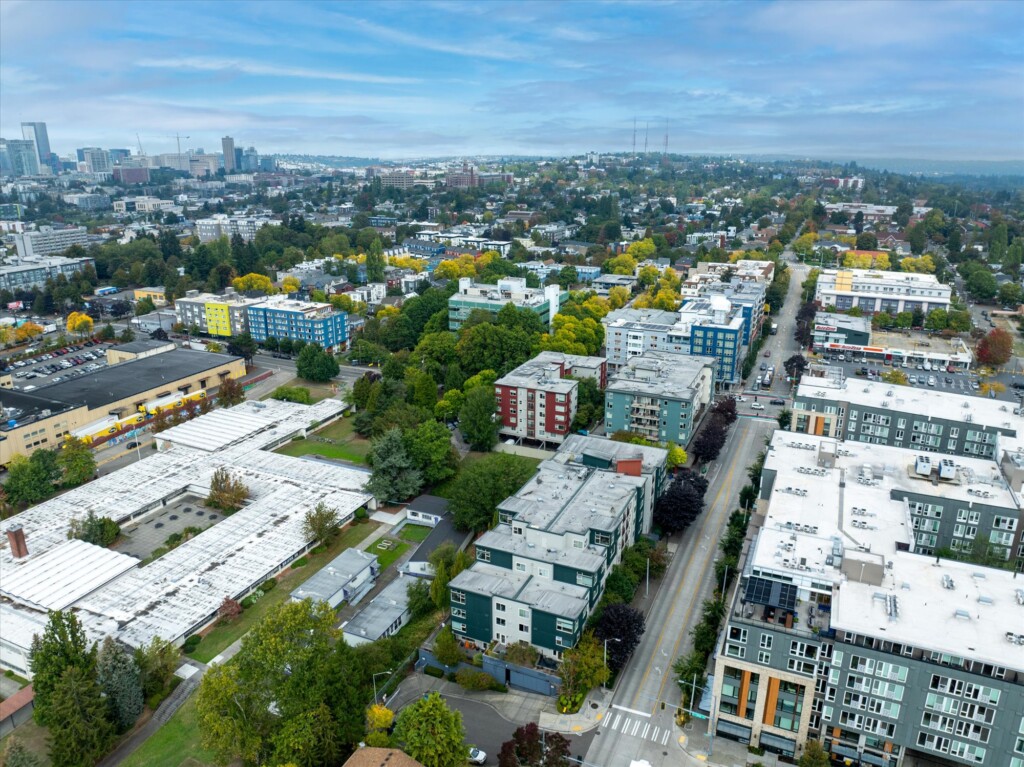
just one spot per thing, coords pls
(924, 81)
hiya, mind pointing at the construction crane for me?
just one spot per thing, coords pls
(142, 152)
(178, 137)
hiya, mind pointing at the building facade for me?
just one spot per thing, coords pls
(280, 317)
(18, 158)
(50, 240)
(631, 332)
(544, 302)
(226, 315)
(537, 400)
(25, 273)
(660, 396)
(842, 630)
(222, 225)
(876, 291)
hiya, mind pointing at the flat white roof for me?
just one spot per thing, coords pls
(821, 534)
(182, 589)
(63, 575)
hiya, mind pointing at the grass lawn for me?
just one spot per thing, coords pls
(387, 556)
(300, 447)
(317, 391)
(174, 743)
(414, 533)
(221, 636)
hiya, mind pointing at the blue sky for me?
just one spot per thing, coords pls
(935, 80)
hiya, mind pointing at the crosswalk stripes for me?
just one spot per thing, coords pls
(631, 726)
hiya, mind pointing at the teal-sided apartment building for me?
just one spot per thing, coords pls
(539, 573)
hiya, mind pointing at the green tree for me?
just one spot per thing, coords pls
(118, 677)
(450, 405)
(395, 476)
(309, 739)
(321, 523)
(76, 462)
(233, 717)
(315, 364)
(867, 241)
(298, 394)
(375, 261)
(446, 648)
(420, 602)
(1010, 294)
(80, 732)
(27, 481)
(226, 492)
(582, 667)
(431, 733)
(144, 305)
(814, 755)
(785, 419)
(982, 285)
(430, 447)
(99, 531)
(156, 662)
(107, 333)
(481, 486)
(917, 237)
(63, 645)
(478, 419)
(937, 319)
(14, 754)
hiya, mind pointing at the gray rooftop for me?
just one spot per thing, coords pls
(137, 347)
(652, 318)
(335, 575)
(383, 610)
(662, 375)
(501, 538)
(562, 599)
(844, 321)
(578, 446)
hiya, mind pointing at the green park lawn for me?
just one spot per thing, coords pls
(223, 635)
(387, 556)
(344, 443)
(174, 743)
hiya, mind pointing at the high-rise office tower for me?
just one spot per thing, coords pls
(97, 160)
(21, 157)
(36, 132)
(250, 160)
(228, 145)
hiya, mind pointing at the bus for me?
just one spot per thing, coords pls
(107, 291)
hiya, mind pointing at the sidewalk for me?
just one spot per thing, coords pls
(514, 706)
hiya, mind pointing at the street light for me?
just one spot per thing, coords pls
(379, 673)
(606, 641)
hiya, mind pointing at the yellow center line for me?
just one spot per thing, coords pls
(678, 591)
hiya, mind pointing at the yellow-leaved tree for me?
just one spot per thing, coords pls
(618, 297)
(253, 281)
(290, 285)
(80, 323)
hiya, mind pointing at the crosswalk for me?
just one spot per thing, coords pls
(628, 723)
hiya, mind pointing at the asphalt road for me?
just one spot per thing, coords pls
(636, 726)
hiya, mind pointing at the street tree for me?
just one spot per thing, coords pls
(478, 419)
(395, 476)
(321, 523)
(230, 393)
(995, 348)
(63, 645)
(529, 747)
(582, 669)
(785, 419)
(431, 733)
(80, 731)
(118, 677)
(315, 364)
(624, 623)
(678, 506)
(242, 346)
(725, 409)
(795, 366)
(481, 486)
(709, 443)
(814, 755)
(896, 377)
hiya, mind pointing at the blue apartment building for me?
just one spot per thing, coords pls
(280, 317)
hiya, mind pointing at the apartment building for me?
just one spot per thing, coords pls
(222, 225)
(544, 302)
(660, 396)
(50, 240)
(33, 272)
(538, 401)
(876, 291)
(713, 327)
(738, 271)
(226, 315)
(630, 332)
(142, 205)
(282, 317)
(843, 630)
(540, 572)
(857, 410)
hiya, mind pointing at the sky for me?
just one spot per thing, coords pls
(829, 80)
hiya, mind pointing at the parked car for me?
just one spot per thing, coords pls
(768, 353)
(476, 756)
(764, 366)
(132, 445)
(1018, 384)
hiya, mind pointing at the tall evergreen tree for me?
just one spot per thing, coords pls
(118, 676)
(80, 732)
(63, 645)
(375, 262)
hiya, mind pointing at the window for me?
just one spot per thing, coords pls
(524, 613)
(764, 658)
(499, 606)
(766, 641)
(737, 635)
(524, 628)
(483, 555)
(458, 612)
(565, 626)
(458, 628)
(517, 529)
(582, 579)
(735, 651)
(499, 621)
(603, 539)
(458, 597)
(520, 567)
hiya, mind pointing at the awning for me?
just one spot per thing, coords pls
(725, 727)
(785, 745)
(849, 753)
(762, 591)
(868, 758)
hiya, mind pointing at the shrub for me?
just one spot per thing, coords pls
(362, 514)
(478, 660)
(300, 562)
(247, 603)
(433, 671)
(192, 643)
(474, 680)
(268, 585)
(318, 549)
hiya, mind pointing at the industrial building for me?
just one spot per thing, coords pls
(179, 593)
(544, 302)
(830, 328)
(844, 628)
(660, 396)
(42, 418)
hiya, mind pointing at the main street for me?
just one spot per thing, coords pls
(636, 726)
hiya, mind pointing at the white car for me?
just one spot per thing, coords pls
(756, 406)
(476, 756)
(741, 399)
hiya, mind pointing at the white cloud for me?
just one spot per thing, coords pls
(209, 64)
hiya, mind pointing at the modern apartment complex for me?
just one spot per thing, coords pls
(544, 302)
(222, 225)
(50, 240)
(537, 401)
(24, 273)
(226, 315)
(876, 291)
(541, 571)
(630, 332)
(856, 410)
(660, 396)
(844, 629)
(281, 317)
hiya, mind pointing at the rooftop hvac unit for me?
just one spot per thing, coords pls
(923, 465)
(947, 469)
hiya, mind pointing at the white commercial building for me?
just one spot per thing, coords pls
(179, 593)
(221, 225)
(49, 241)
(875, 291)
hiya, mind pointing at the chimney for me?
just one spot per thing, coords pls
(16, 537)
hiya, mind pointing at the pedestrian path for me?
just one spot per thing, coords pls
(635, 724)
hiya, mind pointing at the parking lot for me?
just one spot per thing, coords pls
(59, 365)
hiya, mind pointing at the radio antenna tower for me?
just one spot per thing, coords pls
(634, 138)
(666, 140)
